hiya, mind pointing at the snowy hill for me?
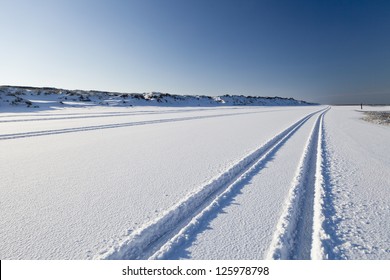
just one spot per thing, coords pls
(53, 97)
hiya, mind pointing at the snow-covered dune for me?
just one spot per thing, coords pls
(53, 98)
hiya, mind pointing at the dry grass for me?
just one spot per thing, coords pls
(378, 117)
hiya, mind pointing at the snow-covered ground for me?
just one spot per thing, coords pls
(358, 182)
(193, 182)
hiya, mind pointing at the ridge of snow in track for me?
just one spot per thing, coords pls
(301, 222)
(107, 126)
(149, 238)
(324, 239)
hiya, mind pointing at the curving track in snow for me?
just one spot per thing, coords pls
(160, 238)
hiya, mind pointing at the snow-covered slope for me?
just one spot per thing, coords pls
(52, 97)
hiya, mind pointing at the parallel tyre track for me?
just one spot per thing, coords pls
(59, 117)
(157, 238)
(108, 126)
(299, 233)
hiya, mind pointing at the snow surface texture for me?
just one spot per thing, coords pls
(357, 186)
(307, 182)
(52, 98)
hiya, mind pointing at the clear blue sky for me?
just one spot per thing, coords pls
(323, 51)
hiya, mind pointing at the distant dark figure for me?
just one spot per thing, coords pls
(361, 106)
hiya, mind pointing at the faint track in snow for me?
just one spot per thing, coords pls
(53, 117)
(300, 232)
(119, 114)
(135, 112)
(78, 117)
(108, 126)
(157, 238)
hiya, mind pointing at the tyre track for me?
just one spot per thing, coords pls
(54, 117)
(105, 113)
(123, 114)
(299, 231)
(78, 117)
(108, 126)
(158, 237)
(326, 242)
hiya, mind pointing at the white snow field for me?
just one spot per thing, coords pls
(258, 182)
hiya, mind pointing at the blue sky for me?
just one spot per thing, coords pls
(322, 51)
